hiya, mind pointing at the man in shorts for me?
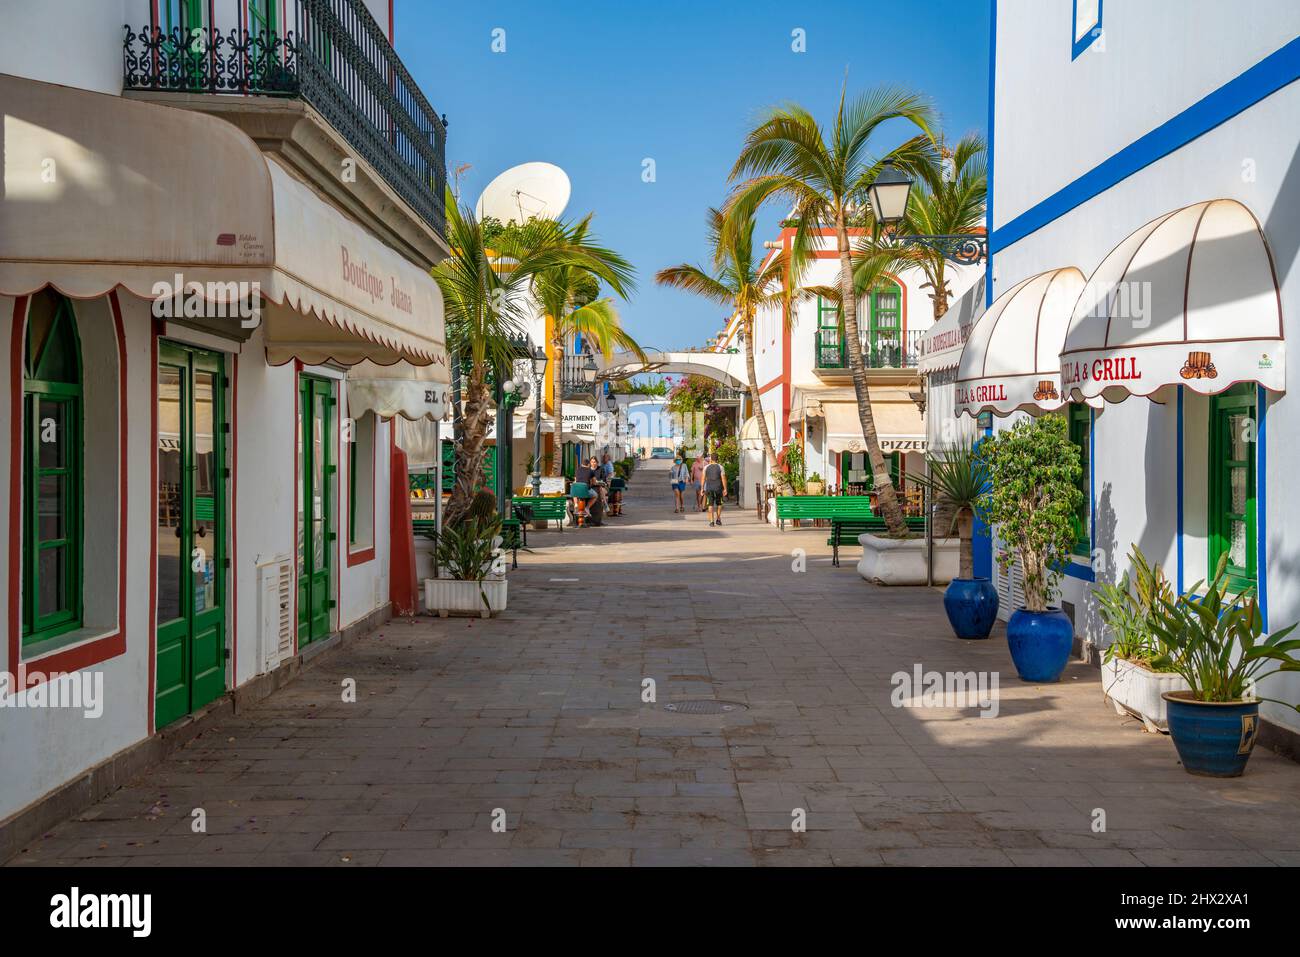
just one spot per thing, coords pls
(715, 489)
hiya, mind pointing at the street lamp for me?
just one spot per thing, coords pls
(538, 359)
(889, 194)
(589, 369)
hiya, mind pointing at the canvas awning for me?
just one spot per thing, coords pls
(899, 427)
(942, 344)
(1191, 299)
(1011, 360)
(401, 389)
(183, 209)
(750, 436)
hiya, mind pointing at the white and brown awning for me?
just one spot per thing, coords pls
(183, 209)
(898, 422)
(1011, 360)
(401, 389)
(1190, 299)
(943, 342)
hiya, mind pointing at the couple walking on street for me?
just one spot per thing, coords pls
(710, 482)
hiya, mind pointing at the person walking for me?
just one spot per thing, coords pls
(677, 478)
(697, 483)
(715, 489)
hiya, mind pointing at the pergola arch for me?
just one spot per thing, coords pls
(727, 368)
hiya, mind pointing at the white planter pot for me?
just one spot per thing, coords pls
(447, 596)
(902, 561)
(1134, 690)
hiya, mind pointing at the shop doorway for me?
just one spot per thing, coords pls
(316, 537)
(191, 531)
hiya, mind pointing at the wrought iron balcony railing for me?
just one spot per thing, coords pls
(331, 54)
(886, 350)
(573, 380)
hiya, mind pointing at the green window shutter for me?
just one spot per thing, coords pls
(1231, 521)
(52, 471)
(1080, 419)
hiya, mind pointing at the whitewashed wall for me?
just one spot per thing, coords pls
(1080, 113)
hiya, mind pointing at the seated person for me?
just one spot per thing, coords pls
(583, 490)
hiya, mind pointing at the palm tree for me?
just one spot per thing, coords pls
(568, 294)
(788, 157)
(743, 283)
(485, 292)
(948, 200)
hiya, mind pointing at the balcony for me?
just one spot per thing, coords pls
(332, 55)
(574, 383)
(901, 350)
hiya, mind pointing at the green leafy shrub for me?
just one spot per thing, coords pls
(1033, 494)
(958, 479)
(1217, 644)
(1128, 609)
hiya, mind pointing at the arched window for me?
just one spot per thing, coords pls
(52, 479)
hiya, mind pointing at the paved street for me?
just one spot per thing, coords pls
(539, 714)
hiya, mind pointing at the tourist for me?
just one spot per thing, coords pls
(697, 470)
(678, 476)
(584, 490)
(715, 489)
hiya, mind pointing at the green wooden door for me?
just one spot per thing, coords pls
(1232, 483)
(191, 532)
(316, 536)
(886, 329)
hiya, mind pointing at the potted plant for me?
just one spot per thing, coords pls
(1130, 679)
(815, 485)
(958, 479)
(1217, 644)
(471, 570)
(1033, 493)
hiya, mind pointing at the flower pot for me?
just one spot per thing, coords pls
(1040, 643)
(1213, 738)
(902, 561)
(448, 596)
(815, 488)
(1136, 690)
(972, 606)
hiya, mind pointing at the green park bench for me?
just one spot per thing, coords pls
(845, 531)
(545, 508)
(792, 507)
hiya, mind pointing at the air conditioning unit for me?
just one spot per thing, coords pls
(274, 613)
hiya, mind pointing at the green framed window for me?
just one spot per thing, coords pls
(1231, 519)
(1079, 416)
(261, 17)
(52, 476)
(885, 330)
(830, 340)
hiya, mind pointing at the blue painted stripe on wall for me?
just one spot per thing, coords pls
(1261, 503)
(1180, 490)
(1266, 77)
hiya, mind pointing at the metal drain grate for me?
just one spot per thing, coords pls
(704, 706)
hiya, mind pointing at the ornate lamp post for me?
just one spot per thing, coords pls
(889, 194)
(611, 406)
(538, 359)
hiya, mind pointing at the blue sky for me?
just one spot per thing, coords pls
(597, 87)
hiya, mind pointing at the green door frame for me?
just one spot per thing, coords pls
(190, 667)
(1230, 412)
(316, 535)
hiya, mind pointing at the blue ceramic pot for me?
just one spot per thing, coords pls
(1213, 738)
(1040, 643)
(972, 606)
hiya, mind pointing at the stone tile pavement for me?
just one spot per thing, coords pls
(536, 719)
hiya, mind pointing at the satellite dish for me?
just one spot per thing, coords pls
(523, 191)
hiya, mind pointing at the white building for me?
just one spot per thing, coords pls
(199, 483)
(806, 388)
(1153, 148)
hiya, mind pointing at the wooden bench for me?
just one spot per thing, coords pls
(545, 508)
(845, 531)
(791, 507)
